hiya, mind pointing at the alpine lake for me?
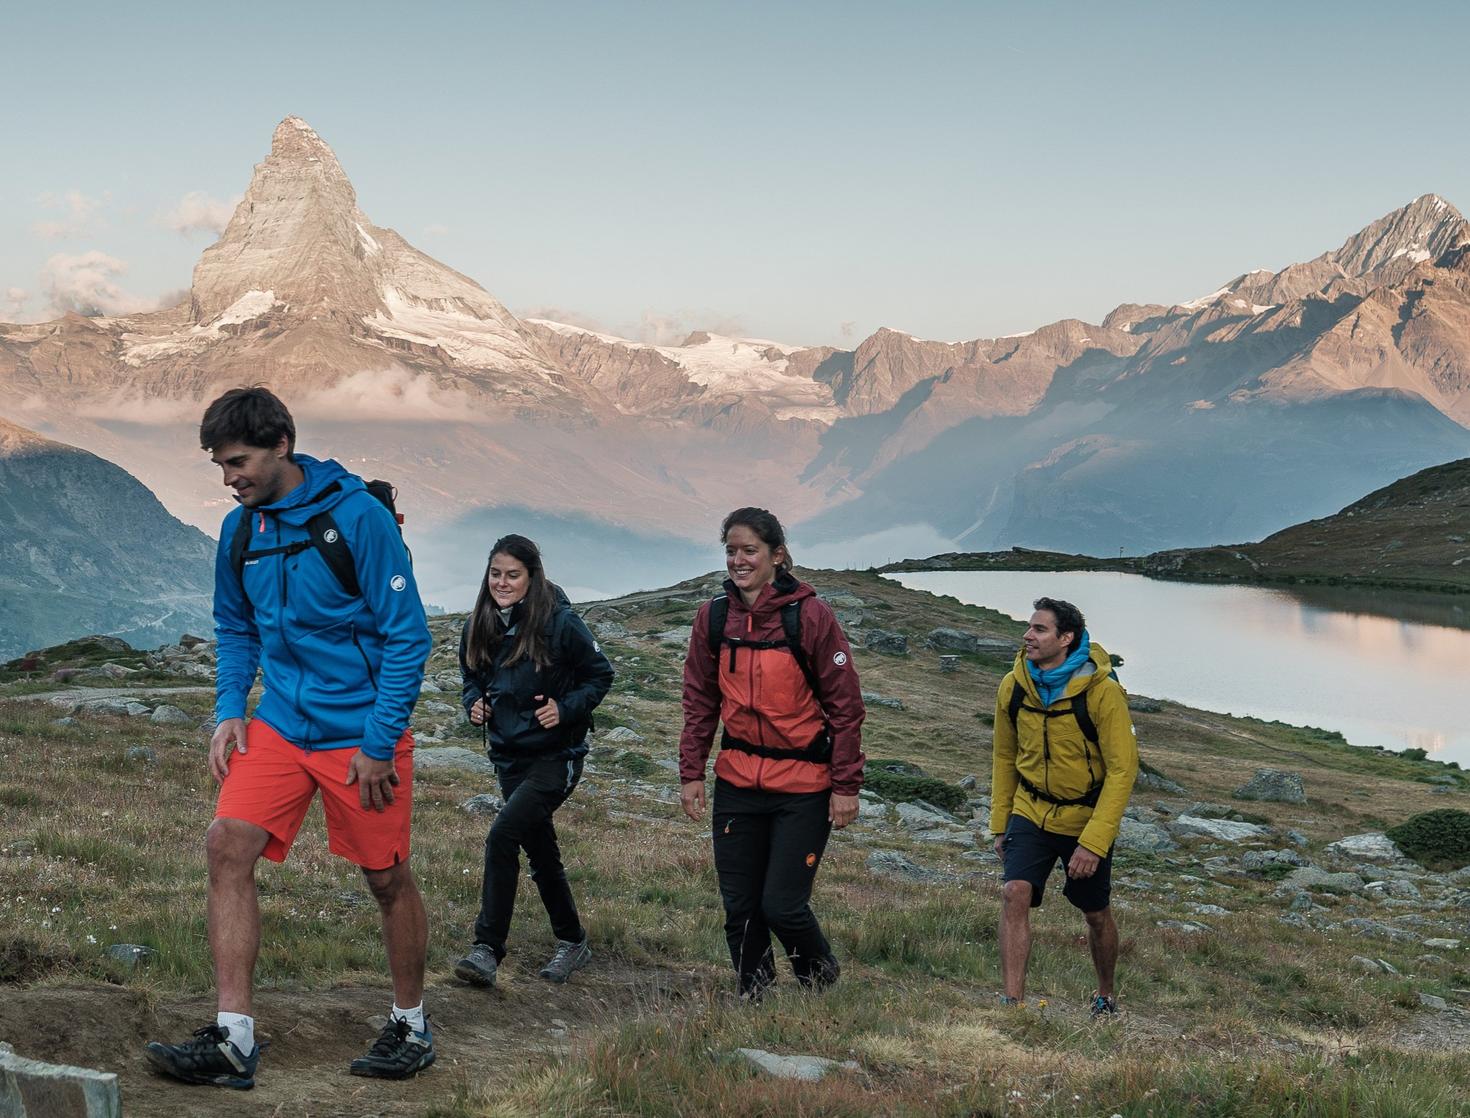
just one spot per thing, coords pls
(1386, 669)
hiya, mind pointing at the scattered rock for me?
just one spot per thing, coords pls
(892, 864)
(1296, 838)
(806, 1068)
(1371, 966)
(948, 665)
(619, 734)
(953, 836)
(1302, 902)
(131, 954)
(873, 699)
(950, 640)
(889, 644)
(1193, 927)
(1314, 877)
(1209, 910)
(1140, 705)
(1372, 846)
(1223, 830)
(1442, 944)
(141, 753)
(1379, 929)
(920, 816)
(1158, 782)
(167, 715)
(967, 782)
(450, 758)
(1256, 861)
(872, 811)
(610, 630)
(1134, 834)
(1274, 786)
(1433, 1001)
(678, 635)
(41, 1090)
(486, 803)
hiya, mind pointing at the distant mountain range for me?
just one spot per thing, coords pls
(1278, 397)
(86, 548)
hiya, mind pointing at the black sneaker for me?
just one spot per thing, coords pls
(210, 1059)
(1103, 1006)
(567, 958)
(398, 1053)
(479, 967)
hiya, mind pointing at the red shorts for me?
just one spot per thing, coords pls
(271, 785)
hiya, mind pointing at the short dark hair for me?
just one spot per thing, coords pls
(764, 524)
(254, 416)
(1069, 618)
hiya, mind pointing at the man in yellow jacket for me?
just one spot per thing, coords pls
(1065, 760)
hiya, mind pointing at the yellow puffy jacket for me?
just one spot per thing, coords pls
(1054, 755)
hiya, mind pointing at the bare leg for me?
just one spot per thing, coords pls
(1102, 940)
(1015, 937)
(405, 930)
(233, 847)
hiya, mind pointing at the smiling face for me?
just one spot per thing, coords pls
(1045, 647)
(508, 580)
(750, 560)
(259, 475)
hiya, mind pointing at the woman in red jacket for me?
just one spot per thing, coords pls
(778, 673)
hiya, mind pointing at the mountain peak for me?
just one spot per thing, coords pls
(1425, 229)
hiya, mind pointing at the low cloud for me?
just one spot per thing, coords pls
(389, 394)
(672, 327)
(13, 305)
(76, 213)
(123, 408)
(436, 230)
(197, 212)
(569, 318)
(85, 283)
(847, 329)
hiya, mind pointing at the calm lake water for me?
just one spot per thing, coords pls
(1380, 680)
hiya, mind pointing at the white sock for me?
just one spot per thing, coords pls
(239, 1030)
(414, 1016)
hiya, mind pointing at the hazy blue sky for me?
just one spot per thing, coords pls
(805, 172)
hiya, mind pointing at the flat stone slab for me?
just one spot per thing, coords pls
(809, 1069)
(1225, 830)
(32, 1089)
(1374, 846)
(451, 757)
(892, 864)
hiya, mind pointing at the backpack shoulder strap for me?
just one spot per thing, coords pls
(719, 612)
(239, 543)
(791, 622)
(1017, 699)
(326, 537)
(1084, 720)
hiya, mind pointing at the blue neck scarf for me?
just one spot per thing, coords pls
(1051, 683)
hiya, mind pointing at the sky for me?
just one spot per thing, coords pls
(805, 172)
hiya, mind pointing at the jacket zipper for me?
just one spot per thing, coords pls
(372, 677)
(289, 646)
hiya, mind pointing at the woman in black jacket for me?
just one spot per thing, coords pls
(532, 677)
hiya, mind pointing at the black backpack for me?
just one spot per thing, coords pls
(719, 612)
(324, 536)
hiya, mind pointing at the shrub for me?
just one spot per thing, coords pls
(900, 786)
(1435, 839)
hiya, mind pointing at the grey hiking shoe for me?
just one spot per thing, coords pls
(478, 967)
(210, 1058)
(567, 958)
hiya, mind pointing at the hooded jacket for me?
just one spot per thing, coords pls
(578, 676)
(340, 671)
(764, 698)
(1055, 756)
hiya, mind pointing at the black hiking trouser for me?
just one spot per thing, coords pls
(768, 846)
(533, 790)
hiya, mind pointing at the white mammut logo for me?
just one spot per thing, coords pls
(398, 582)
(330, 535)
(839, 658)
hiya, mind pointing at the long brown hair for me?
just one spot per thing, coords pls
(486, 628)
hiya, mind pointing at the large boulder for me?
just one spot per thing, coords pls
(1371, 846)
(1150, 837)
(950, 640)
(889, 644)
(1273, 785)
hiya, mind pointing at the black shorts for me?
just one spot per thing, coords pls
(1030, 854)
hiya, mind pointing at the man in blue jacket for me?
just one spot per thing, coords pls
(342, 666)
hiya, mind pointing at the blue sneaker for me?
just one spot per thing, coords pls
(1103, 1006)
(399, 1052)
(209, 1059)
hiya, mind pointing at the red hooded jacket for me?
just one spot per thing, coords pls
(766, 699)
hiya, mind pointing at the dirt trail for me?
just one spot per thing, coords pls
(479, 1036)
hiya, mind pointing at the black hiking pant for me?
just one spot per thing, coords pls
(768, 846)
(533, 790)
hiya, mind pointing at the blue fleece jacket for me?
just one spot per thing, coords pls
(340, 672)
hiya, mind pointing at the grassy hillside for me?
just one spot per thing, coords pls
(1240, 998)
(1411, 535)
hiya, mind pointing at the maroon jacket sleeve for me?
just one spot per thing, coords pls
(842, 698)
(701, 701)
